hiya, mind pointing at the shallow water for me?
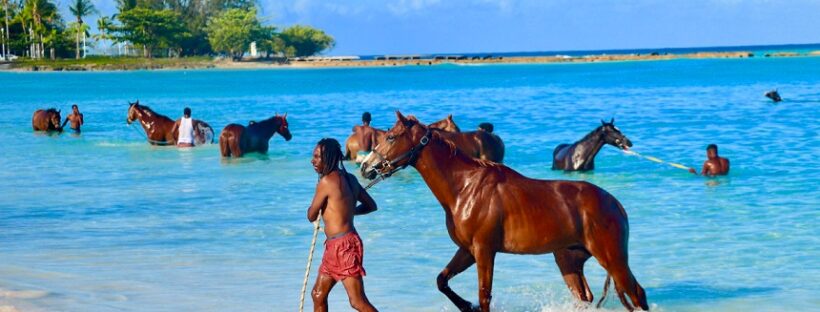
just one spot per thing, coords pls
(105, 222)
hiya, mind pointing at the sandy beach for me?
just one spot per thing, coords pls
(328, 63)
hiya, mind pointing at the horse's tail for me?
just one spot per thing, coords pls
(606, 290)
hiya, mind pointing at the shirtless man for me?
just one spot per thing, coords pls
(76, 119)
(336, 195)
(715, 165)
(367, 137)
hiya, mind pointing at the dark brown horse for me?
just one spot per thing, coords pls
(237, 140)
(46, 120)
(161, 130)
(580, 156)
(490, 208)
(479, 144)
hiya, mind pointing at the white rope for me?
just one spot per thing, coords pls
(657, 160)
(309, 262)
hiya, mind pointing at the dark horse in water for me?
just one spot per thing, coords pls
(237, 140)
(46, 120)
(481, 144)
(161, 130)
(580, 156)
(490, 208)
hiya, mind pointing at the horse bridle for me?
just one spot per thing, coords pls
(412, 154)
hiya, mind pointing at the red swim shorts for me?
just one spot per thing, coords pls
(343, 257)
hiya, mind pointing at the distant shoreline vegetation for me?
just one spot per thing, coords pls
(33, 30)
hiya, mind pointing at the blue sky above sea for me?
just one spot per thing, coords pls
(373, 27)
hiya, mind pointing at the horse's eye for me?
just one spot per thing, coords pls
(390, 138)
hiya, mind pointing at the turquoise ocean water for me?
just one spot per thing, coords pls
(105, 222)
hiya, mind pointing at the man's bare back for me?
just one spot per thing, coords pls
(716, 166)
(366, 135)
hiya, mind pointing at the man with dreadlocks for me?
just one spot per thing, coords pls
(335, 200)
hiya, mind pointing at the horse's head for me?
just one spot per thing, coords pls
(54, 118)
(400, 148)
(613, 136)
(446, 124)
(133, 112)
(283, 127)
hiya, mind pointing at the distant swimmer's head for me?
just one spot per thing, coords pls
(711, 151)
(186, 112)
(366, 117)
(327, 156)
(75, 108)
(486, 126)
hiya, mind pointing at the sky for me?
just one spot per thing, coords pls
(376, 27)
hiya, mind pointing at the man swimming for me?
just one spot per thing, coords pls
(185, 137)
(336, 195)
(76, 119)
(366, 135)
(715, 165)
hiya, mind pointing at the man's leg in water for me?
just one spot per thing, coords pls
(355, 292)
(324, 283)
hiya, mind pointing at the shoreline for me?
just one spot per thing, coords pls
(130, 64)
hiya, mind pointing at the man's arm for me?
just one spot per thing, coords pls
(707, 169)
(319, 202)
(65, 122)
(81, 120)
(368, 204)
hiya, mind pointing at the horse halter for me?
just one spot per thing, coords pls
(412, 155)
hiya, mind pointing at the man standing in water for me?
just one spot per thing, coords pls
(715, 165)
(76, 119)
(185, 138)
(336, 195)
(366, 135)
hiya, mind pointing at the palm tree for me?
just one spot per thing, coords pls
(103, 24)
(80, 9)
(6, 33)
(34, 13)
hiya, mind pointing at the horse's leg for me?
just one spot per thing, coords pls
(610, 249)
(462, 260)
(234, 145)
(223, 147)
(485, 261)
(571, 262)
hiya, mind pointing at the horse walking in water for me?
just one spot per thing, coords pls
(46, 120)
(237, 140)
(352, 143)
(161, 130)
(481, 144)
(490, 208)
(580, 156)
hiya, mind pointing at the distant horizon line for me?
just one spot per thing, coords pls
(582, 51)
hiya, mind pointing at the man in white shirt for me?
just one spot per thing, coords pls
(186, 129)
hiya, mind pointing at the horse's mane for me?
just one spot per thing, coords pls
(52, 110)
(591, 133)
(149, 110)
(437, 135)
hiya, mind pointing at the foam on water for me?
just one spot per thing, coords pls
(106, 222)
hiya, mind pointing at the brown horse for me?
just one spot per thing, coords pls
(161, 130)
(481, 144)
(490, 208)
(352, 143)
(46, 120)
(237, 140)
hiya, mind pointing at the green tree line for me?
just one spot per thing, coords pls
(151, 28)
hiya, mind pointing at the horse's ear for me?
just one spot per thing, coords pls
(603, 122)
(401, 117)
(612, 121)
(285, 116)
(450, 117)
